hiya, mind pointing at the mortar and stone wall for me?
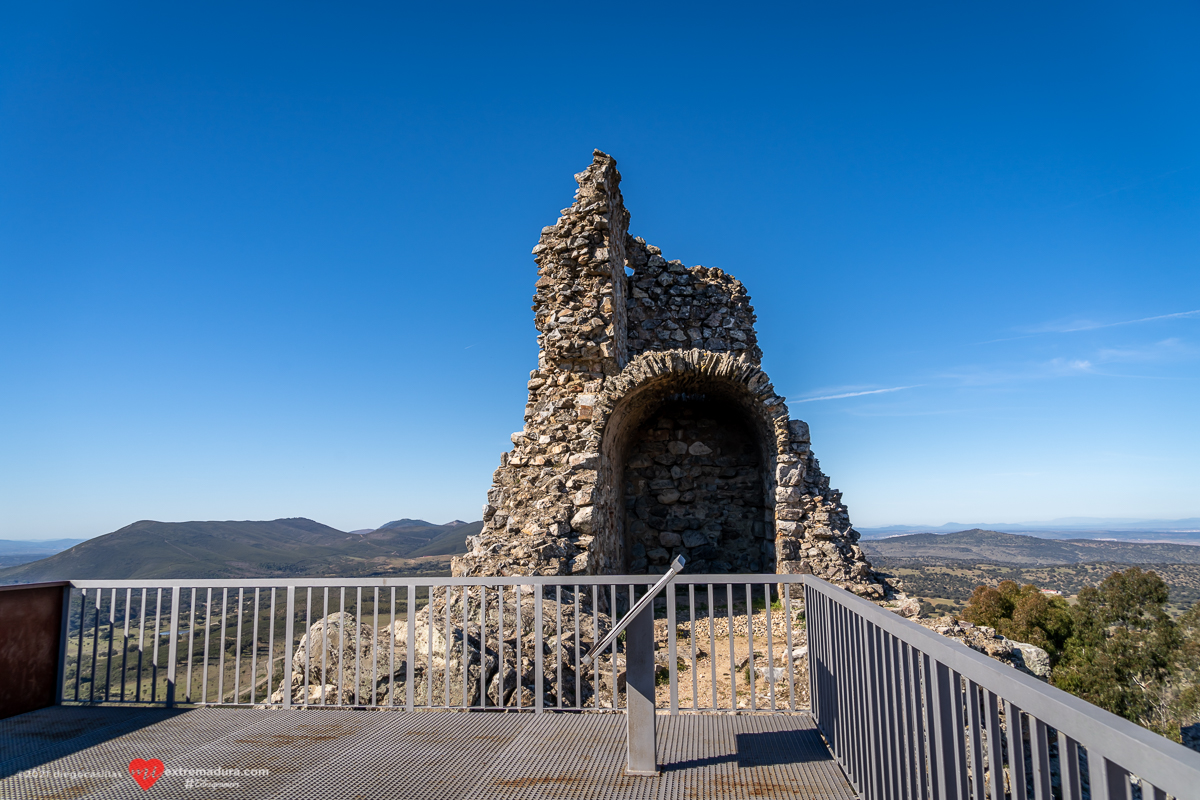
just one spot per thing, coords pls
(650, 429)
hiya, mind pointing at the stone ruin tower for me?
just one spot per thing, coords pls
(651, 430)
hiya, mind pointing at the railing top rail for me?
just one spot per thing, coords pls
(511, 580)
(1175, 768)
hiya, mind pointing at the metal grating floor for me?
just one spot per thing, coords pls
(322, 754)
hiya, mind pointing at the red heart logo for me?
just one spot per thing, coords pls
(146, 771)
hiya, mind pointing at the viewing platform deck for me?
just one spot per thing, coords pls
(345, 753)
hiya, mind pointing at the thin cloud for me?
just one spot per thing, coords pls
(1088, 325)
(1166, 350)
(858, 394)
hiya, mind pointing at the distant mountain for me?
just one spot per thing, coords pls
(996, 547)
(8, 546)
(1063, 528)
(282, 547)
(13, 552)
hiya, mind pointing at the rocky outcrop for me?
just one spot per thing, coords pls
(1028, 658)
(651, 431)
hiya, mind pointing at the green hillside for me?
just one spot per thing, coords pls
(278, 548)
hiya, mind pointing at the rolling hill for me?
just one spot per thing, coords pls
(944, 569)
(995, 547)
(234, 549)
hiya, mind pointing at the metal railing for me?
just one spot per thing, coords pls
(909, 715)
(913, 715)
(429, 643)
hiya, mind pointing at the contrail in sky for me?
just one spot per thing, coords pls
(1091, 326)
(857, 394)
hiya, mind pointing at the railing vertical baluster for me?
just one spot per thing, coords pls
(578, 669)
(733, 704)
(1152, 792)
(237, 650)
(537, 648)
(1068, 764)
(1016, 752)
(1039, 747)
(995, 747)
(325, 644)
(520, 687)
(692, 640)
(191, 641)
(289, 639)
(429, 595)
(79, 642)
(482, 645)
(157, 639)
(959, 737)
(172, 646)
(895, 730)
(976, 743)
(269, 667)
(558, 648)
(395, 631)
(847, 707)
(750, 648)
(909, 721)
(933, 754)
(770, 620)
(448, 643)
(857, 721)
(97, 601)
(308, 640)
(204, 661)
(410, 648)
(221, 665)
(254, 647)
(789, 661)
(358, 646)
(595, 641)
(712, 646)
(500, 701)
(142, 625)
(340, 698)
(613, 619)
(124, 642)
(112, 634)
(876, 710)
(466, 605)
(672, 648)
(375, 647)
(853, 702)
(945, 731)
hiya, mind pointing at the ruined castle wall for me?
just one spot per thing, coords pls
(650, 427)
(673, 307)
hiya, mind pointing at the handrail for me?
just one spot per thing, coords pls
(383, 581)
(1124, 747)
(676, 567)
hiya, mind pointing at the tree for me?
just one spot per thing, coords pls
(1127, 655)
(1022, 613)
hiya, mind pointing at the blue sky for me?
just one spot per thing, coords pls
(266, 261)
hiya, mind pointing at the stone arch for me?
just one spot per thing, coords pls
(750, 417)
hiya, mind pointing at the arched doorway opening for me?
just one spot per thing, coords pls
(694, 486)
(687, 468)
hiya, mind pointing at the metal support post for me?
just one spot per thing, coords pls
(639, 693)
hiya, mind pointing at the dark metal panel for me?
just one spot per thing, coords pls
(31, 638)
